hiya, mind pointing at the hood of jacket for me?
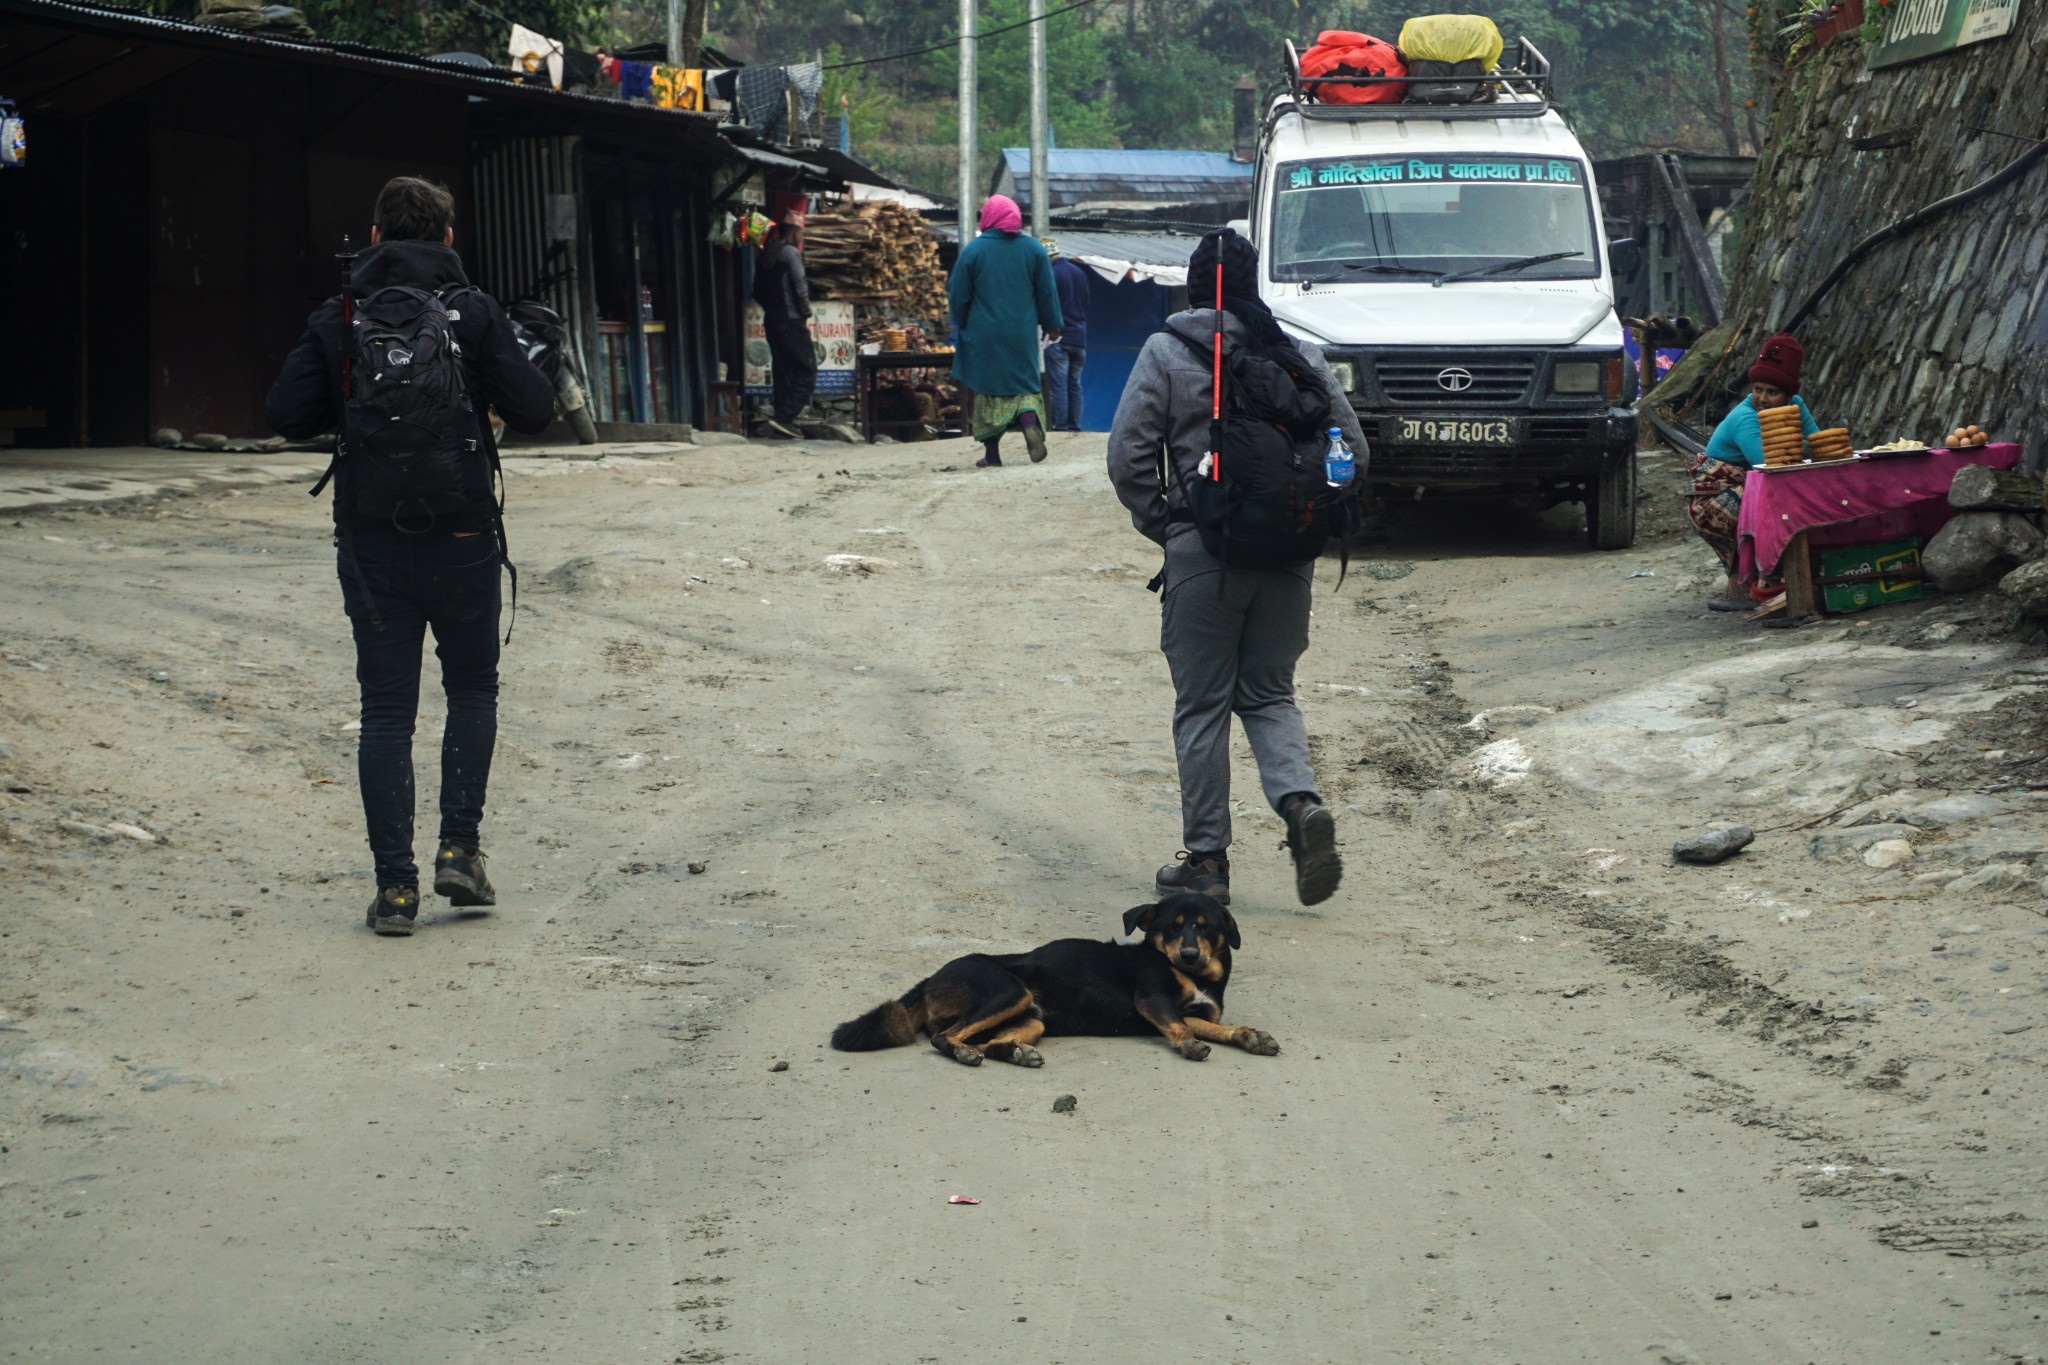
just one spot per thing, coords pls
(1199, 326)
(417, 265)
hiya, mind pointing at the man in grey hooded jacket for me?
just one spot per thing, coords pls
(1231, 646)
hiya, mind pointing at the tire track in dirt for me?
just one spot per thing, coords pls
(1931, 1197)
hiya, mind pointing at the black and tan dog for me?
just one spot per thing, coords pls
(983, 1005)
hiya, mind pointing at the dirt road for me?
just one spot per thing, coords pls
(1542, 1097)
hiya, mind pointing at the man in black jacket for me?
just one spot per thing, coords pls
(402, 575)
(785, 298)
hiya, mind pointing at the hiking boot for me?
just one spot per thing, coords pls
(459, 875)
(1034, 440)
(1312, 839)
(1205, 874)
(394, 911)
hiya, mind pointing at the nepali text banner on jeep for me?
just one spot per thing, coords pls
(1415, 170)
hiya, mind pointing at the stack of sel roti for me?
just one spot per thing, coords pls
(1784, 436)
(1831, 444)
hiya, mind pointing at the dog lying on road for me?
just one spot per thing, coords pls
(983, 1005)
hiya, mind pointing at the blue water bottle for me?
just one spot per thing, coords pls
(1338, 466)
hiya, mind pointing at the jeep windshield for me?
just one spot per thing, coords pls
(1385, 219)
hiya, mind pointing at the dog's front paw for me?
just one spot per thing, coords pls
(1016, 1054)
(966, 1055)
(1194, 1049)
(1258, 1043)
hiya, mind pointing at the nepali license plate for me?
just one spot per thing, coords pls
(1452, 431)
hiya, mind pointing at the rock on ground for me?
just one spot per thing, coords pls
(831, 431)
(1833, 843)
(2027, 588)
(1714, 845)
(1976, 547)
(1951, 810)
(1996, 879)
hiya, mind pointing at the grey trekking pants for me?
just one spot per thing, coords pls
(1232, 651)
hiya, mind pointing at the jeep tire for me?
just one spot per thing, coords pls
(1611, 505)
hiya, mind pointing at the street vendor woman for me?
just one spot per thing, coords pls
(1736, 448)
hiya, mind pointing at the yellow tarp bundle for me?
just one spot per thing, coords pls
(1451, 38)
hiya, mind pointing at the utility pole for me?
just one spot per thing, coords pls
(970, 115)
(1041, 209)
(675, 31)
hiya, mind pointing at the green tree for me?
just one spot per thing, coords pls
(870, 108)
(1078, 103)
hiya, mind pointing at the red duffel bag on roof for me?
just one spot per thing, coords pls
(1341, 53)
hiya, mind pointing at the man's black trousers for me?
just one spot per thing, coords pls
(409, 584)
(795, 368)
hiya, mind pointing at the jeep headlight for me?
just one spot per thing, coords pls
(1576, 376)
(1346, 372)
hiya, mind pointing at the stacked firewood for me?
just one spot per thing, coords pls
(879, 254)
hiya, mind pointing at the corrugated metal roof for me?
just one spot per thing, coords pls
(1120, 163)
(700, 131)
(1090, 177)
(1143, 248)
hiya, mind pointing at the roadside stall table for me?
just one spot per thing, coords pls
(867, 368)
(1788, 512)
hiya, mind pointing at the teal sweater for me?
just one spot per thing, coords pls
(1738, 440)
(1002, 295)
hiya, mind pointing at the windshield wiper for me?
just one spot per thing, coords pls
(1362, 267)
(1505, 266)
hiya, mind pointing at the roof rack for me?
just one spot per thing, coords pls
(1520, 89)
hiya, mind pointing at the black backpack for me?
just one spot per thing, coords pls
(408, 428)
(1264, 503)
(1468, 88)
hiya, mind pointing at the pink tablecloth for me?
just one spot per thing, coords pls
(1858, 503)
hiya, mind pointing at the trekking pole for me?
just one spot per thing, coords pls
(1216, 385)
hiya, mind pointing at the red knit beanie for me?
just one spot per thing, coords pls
(1777, 364)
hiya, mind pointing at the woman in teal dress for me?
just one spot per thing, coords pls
(1736, 448)
(1003, 296)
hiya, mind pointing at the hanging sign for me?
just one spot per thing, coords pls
(1924, 28)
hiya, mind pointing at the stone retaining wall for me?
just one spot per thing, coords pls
(1950, 325)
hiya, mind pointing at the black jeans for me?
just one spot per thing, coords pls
(408, 584)
(794, 369)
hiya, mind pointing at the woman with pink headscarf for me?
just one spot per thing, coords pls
(1003, 296)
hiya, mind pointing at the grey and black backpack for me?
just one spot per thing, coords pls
(408, 447)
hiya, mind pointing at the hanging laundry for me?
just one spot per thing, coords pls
(808, 80)
(763, 90)
(636, 80)
(678, 88)
(760, 97)
(531, 52)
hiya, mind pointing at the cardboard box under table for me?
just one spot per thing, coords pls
(1789, 513)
